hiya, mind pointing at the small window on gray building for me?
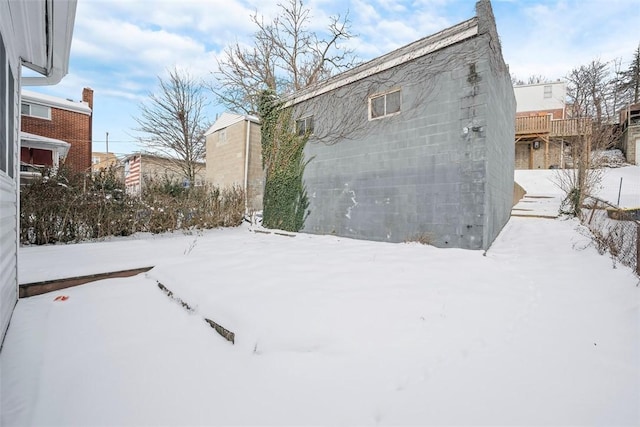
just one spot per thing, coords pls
(36, 110)
(385, 104)
(304, 126)
(222, 135)
(548, 91)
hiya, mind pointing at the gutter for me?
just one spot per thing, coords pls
(246, 168)
(59, 23)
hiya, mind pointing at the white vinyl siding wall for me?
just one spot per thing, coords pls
(9, 131)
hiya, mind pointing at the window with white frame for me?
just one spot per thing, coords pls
(548, 91)
(385, 104)
(304, 126)
(222, 135)
(36, 110)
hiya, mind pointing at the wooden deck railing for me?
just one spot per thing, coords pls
(544, 125)
(570, 127)
(533, 124)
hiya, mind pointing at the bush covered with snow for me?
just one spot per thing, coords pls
(609, 158)
(68, 207)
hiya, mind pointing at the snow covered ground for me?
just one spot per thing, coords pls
(544, 183)
(331, 331)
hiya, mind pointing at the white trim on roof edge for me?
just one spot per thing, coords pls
(417, 49)
(227, 119)
(55, 102)
(36, 141)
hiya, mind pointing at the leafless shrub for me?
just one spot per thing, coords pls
(70, 207)
(613, 234)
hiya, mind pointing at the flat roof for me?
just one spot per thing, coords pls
(440, 40)
(54, 101)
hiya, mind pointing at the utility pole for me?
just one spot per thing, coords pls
(107, 142)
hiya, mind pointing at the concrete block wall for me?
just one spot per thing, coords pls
(226, 161)
(500, 134)
(255, 189)
(418, 172)
(430, 170)
(225, 156)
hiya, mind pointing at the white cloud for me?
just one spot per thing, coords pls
(120, 46)
(553, 38)
(128, 42)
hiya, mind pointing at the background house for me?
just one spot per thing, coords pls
(35, 34)
(630, 137)
(541, 99)
(62, 120)
(140, 168)
(416, 143)
(100, 161)
(543, 128)
(234, 156)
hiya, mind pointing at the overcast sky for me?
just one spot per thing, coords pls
(121, 46)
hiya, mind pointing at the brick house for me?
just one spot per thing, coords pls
(35, 34)
(544, 130)
(61, 120)
(234, 156)
(417, 142)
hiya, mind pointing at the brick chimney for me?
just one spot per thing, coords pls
(87, 96)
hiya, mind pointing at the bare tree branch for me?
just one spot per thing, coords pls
(285, 57)
(630, 79)
(173, 124)
(591, 102)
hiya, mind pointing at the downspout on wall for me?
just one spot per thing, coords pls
(246, 167)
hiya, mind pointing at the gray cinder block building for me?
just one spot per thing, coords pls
(415, 143)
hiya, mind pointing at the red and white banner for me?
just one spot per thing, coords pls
(132, 173)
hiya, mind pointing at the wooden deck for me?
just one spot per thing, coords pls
(544, 125)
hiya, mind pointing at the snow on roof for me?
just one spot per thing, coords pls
(228, 119)
(53, 101)
(37, 141)
(426, 45)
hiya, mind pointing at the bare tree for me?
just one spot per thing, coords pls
(589, 87)
(285, 57)
(532, 79)
(618, 93)
(515, 81)
(630, 79)
(173, 123)
(591, 105)
(537, 79)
